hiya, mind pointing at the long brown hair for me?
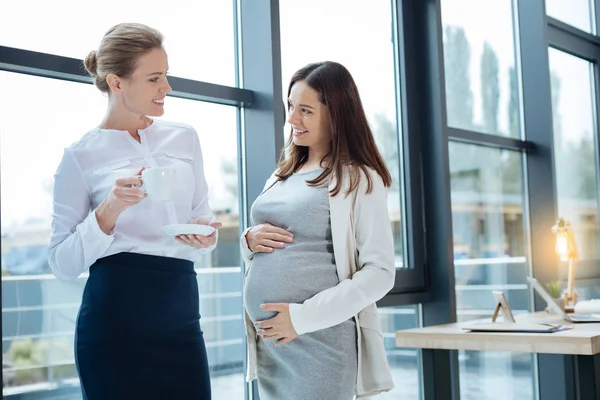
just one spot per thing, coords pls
(352, 147)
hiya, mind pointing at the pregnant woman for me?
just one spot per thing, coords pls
(320, 253)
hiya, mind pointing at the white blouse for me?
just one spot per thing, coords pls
(87, 173)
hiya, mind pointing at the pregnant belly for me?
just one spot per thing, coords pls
(285, 277)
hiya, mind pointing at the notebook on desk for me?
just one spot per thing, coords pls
(517, 327)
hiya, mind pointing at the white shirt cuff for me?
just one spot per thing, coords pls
(91, 224)
(247, 254)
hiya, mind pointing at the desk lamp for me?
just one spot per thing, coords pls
(567, 249)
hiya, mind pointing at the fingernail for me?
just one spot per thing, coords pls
(262, 306)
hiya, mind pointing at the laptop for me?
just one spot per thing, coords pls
(555, 307)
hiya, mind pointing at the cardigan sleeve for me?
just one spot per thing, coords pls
(376, 267)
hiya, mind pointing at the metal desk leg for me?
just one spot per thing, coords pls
(587, 377)
(556, 376)
(440, 368)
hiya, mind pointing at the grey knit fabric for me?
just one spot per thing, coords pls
(320, 365)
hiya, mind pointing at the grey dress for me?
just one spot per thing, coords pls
(320, 365)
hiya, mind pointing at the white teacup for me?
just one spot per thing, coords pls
(158, 183)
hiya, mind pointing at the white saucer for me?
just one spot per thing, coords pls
(188, 229)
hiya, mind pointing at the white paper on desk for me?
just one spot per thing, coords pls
(587, 307)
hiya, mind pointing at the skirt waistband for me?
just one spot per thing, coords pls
(139, 296)
(146, 261)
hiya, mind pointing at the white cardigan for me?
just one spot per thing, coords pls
(364, 254)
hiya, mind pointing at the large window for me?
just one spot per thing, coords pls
(199, 35)
(500, 98)
(479, 59)
(489, 254)
(575, 149)
(38, 311)
(488, 200)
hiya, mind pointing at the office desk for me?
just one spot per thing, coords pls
(583, 341)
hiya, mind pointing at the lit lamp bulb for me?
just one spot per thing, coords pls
(566, 248)
(561, 246)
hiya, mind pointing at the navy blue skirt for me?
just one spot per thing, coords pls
(138, 332)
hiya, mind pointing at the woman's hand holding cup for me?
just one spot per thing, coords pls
(125, 193)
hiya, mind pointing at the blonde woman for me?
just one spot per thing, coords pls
(138, 334)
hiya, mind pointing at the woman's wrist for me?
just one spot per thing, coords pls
(106, 217)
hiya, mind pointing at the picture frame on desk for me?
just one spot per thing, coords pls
(502, 304)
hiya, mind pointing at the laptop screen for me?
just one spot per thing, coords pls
(552, 304)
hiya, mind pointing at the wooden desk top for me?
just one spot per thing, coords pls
(582, 339)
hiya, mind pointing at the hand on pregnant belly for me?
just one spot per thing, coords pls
(264, 238)
(280, 327)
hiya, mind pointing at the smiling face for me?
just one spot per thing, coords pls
(308, 117)
(144, 92)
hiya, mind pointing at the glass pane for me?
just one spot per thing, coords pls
(373, 71)
(496, 375)
(575, 150)
(490, 254)
(199, 35)
(482, 92)
(38, 311)
(406, 371)
(574, 12)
